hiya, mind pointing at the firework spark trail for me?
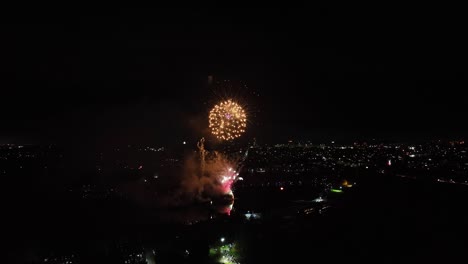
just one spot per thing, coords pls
(201, 147)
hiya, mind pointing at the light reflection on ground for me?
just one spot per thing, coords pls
(226, 253)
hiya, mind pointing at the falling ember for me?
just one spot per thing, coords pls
(227, 120)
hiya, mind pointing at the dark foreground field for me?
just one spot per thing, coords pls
(383, 219)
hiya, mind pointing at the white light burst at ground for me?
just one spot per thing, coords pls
(227, 179)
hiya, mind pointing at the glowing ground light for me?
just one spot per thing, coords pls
(225, 253)
(336, 190)
(227, 120)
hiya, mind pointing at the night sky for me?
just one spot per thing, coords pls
(139, 76)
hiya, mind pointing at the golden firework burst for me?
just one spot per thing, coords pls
(227, 120)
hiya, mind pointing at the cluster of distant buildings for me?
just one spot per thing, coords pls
(291, 163)
(436, 159)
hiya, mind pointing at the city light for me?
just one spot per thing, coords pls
(319, 199)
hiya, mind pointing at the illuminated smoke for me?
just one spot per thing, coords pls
(194, 186)
(217, 178)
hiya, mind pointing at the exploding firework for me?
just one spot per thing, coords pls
(227, 179)
(227, 120)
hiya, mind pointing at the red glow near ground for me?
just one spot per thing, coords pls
(227, 180)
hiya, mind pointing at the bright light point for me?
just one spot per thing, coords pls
(319, 199)
(281, 188)
(184, 142)
(222, 239)
(224, 179)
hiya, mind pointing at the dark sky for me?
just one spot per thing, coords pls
(138, 76)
